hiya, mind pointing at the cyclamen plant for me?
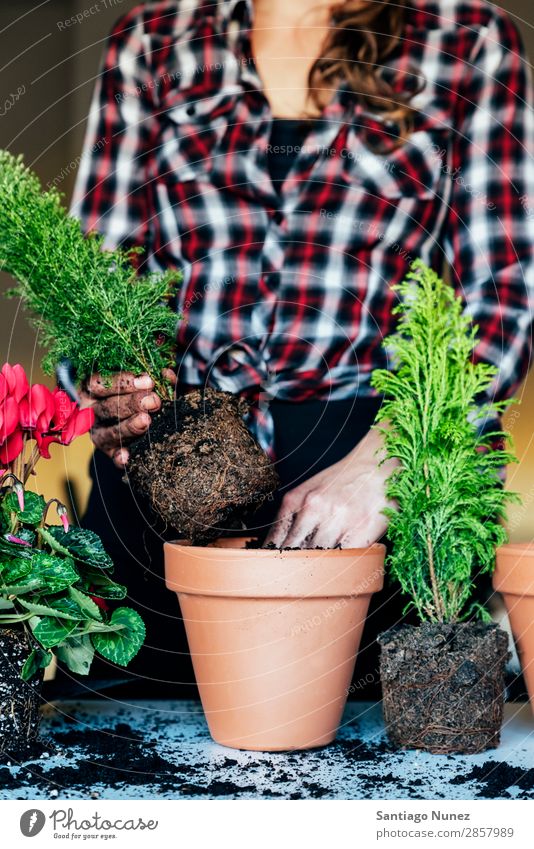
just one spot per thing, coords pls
(54, 580)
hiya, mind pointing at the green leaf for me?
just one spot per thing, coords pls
(46, 610)
(64, 605)
(38, 659)
(15, 570)
(83, 545)
(77, 654)
(123, 644)
(57, 572)
(51, 541)
(34, 506)
(13, 549)
(86, 604)
(30, 586)
(27, 535)
(50, 631)
(97, 583)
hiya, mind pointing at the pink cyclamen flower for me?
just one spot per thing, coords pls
(19, 491)
(13, 388)
(11, 447)
(63, 515)
(37, 409)
(17, 540)
(10, 433)
(67, 422)
(37, 413)
(16, 380)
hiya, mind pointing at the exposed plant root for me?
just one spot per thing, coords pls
(199, 465)
(443, 686)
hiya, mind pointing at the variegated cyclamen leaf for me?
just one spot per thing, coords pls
(122, 645)
(51, 631)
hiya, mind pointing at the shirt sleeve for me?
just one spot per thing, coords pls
(489, 241)
(111, 193)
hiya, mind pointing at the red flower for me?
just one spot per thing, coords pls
(100, 602)
(13, 388)
(36, 412)
(66, 423)
(10, 433)
(36, 409)
(14, 378)
(11, 447)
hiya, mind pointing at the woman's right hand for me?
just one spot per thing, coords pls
(123, 405)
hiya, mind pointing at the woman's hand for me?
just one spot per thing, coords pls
(341, 505)
(123, 406)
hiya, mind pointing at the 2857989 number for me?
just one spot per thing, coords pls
(487, 831)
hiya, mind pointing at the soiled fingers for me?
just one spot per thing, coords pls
(112, 438)
(118, 407)
(98, 387)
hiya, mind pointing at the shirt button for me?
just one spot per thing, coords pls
(191, 110)
(278, 217)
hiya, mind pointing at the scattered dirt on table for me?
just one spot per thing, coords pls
(217, 788)
(110, 755)
(496, 778)
(357, 751)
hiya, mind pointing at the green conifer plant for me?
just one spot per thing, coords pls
(88, 304)
(442, 680)
(447, 489)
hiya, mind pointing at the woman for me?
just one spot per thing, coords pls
(291, 159)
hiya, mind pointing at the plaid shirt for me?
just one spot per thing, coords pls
(290, 290)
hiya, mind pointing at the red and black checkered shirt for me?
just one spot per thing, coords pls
(290, 290)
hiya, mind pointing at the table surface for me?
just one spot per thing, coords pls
(104, 749)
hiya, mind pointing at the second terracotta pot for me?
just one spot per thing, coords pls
(514, 579)
(273, 636)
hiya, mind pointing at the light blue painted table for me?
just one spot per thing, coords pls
(112, 750)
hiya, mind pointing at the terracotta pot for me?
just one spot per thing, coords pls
(514, 579)
(273, 636)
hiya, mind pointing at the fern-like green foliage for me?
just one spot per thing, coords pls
(88, 303)
(447, 489)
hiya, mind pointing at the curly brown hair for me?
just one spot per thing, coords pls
(363, 34)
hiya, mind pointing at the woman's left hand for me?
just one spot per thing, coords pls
(341, 505)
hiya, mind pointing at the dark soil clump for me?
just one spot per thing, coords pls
(270, 546)
(443, 686)
(199, 465)
(113, 755)
(19, 700)
(497, 777)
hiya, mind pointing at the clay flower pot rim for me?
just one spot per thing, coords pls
(514, 570)
(271, 573)
(240, 551)
(517, 548)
